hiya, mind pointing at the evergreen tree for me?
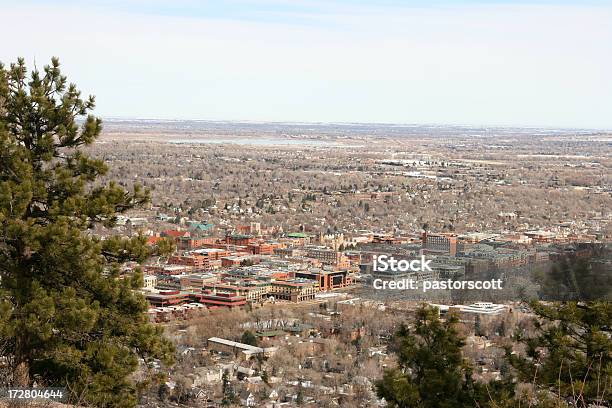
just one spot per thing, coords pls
(229, 395)
(501, 330)
(299, 399)
(163, 392)
(248, 338)
(571, 355)
(265, 377)
(432, 371)
(67, 319)
(477, 326)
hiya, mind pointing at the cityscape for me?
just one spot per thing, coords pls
(305, 204)
(281, 265)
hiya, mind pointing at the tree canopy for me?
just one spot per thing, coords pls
(571, 354)
(248, 338)
(431, 369)
(67, 316)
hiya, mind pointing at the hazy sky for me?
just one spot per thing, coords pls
(475, 62)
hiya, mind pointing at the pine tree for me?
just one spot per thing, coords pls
(299, 399)
(248, 338)
(432, 371)
(571, 355)
(265, 377)
(501, 330)
(229, 395)
(68, 319)
(477, 326)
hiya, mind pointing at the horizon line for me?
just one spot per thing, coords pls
(323, 123)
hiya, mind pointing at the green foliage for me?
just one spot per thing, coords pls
(432, 371)
(265, 377)
(248, 338)
(163, 392)
(165, 247)
(229, 395)
(477, 326)
(66, 317)
(299, 399)
(571, 355)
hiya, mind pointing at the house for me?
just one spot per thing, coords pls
(247, 399)
(204, 375)
(273, 395)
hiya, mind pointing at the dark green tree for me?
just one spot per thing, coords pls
(66, 315)
(163, 392)
(248, 338)
(477, 326)
(571, 354)
(265, 377)
(431, 369)
(299, 398)
(229, 395)
(501, 329)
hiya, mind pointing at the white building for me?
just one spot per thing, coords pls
(150, 281)
(482, 308)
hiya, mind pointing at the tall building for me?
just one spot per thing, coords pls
(444, 243)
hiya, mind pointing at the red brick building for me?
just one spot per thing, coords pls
(240, 239)
(443, 243)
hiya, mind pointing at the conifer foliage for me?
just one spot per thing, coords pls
(66, 319)
(571, 353)
(431, 369)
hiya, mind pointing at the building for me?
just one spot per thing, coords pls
(196, 281)
(326, 280)
(167, 298)
(169, 313)
(232, 261)
(289, 252)
(240, 239)
(245, 351)
(189, 243)
(541, 236)
(175, 234)
(220, 299)
(294, 290)
(150, 281)
(328, 256)
(194, 261)
(253, 228)
(261, 248)
(321, 253)
(335, 241)
(439, 243)
(252, 291)
(200, 228)
(298, 239)
(167, 269)
(481, 308)
(206, 258)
